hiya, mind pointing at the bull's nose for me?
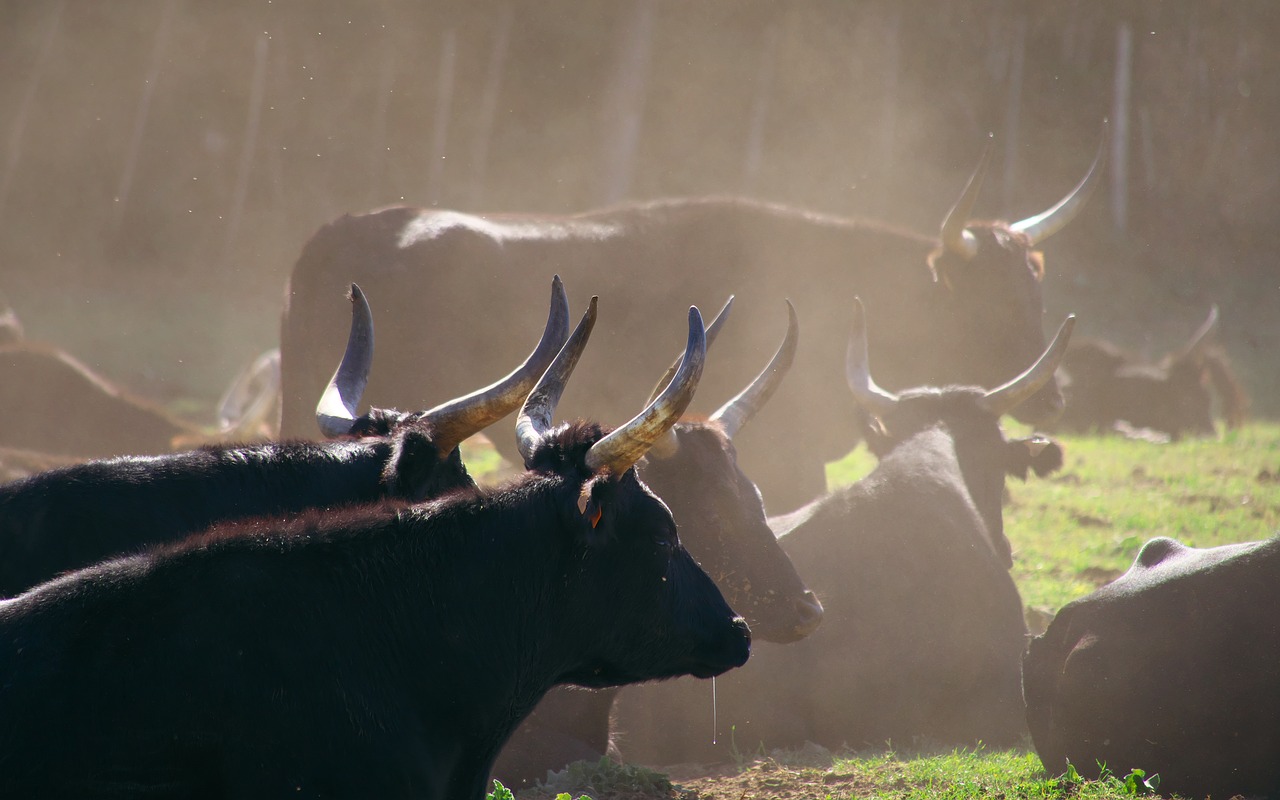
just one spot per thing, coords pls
(742, 650)
(728, 652)
(809, 613)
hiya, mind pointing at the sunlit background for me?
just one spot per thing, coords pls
(162, 162)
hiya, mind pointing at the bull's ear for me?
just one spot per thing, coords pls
(1036, 453)
(414, 463)
(875, 434)
(593, 501)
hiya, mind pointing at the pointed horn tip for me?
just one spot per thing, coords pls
(354, 293)
(859, 313)
(1068, 325)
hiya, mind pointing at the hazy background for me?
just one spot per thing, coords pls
(162, 162)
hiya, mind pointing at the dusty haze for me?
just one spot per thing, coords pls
(165, 160)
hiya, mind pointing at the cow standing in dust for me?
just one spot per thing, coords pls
(964, 308)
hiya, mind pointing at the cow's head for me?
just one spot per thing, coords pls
(423, 459)
(721, 514)
(654, 612)
(991, 274)
(970, 416)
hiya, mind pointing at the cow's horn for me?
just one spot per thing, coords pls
(616, 452)
(535, 416)
(955, 238)
(336, 411)
(738, 411)
(713, 330)
(465, 416)
(1198, 338)
(1045, 224)
(866, 394)
(1003, 399)
(669, 444)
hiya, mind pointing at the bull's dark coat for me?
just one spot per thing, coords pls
(74, 516)
(945, 319)
(1173, 668)
(722, 523)
(383, 652)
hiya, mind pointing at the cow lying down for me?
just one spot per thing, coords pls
(1173, 668)
(1109, 389)
(923, 630)
(383, 651)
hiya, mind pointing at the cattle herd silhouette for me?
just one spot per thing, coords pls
(331, 606)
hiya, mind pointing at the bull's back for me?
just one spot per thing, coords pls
(458, 300)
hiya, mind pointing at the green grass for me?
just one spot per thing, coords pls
(1071, 533)
(1082, 527)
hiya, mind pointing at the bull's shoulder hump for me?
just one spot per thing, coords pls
(431, 225)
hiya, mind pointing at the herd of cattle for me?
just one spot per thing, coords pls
(356, 617)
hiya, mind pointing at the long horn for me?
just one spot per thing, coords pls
(336, 410)
(1003, 399)
(454, 421)
(536, 414)
(1047, 223)
(616, 452)
(713, 330)
(1198, 338)
(738, 411)
(955, 239)
(866, 394)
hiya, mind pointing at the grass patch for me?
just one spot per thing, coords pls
(1082, 527)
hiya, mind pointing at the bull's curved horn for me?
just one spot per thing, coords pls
(535, 415)
(1003, 399)
(616, 452)
(1047, 223)
(955, 239)
(738, 411)
(713, 330)
(336, 410)
(1198, 338)
(465, 416)
(866, 393)
(669, 444)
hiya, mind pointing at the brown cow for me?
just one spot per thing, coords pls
(52, 403)
(964, 307)
(1109, 388)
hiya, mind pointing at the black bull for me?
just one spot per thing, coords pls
(72, 517)
(383, 651)
(1173, 668)
(969, 311)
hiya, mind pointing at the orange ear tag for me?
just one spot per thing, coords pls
(584, 499)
